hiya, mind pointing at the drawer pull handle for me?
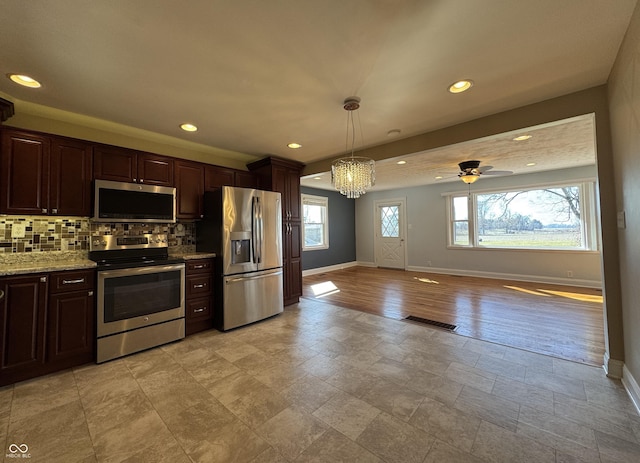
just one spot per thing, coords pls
(1, 294)
(198, 266)
(72, 282)
(199, 286)
(201, 309)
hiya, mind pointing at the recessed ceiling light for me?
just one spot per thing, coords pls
(531, 164)
(317, 178)
(294, 145)
(25, 81)
(460, 86)
(393, 133)
(188, 127)
(522, 138)
(401, 162)
(439, 177)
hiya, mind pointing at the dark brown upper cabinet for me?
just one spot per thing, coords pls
(44, 174)
(189, 177)
(70, 177)
(25, 173)
(126, 165)
(245, 179)
(216, 177)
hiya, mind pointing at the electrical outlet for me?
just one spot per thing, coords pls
(17, 230)
(428, 263)
(570, 273)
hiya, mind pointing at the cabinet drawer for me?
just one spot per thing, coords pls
(199, 266)
(198, 309)
(74, 280)
(198, 285)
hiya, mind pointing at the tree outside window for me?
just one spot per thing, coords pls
(541, 218)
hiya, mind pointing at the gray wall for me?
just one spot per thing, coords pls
(427, 234)
(624, 107)
(342, 232)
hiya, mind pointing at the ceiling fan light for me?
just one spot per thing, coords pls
(469, 178)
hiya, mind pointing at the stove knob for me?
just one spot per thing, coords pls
(104, 243)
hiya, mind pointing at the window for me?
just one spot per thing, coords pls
(553, 217)
(315, 233)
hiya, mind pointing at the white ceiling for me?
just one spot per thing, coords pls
(255, 75)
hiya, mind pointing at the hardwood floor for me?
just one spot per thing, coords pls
(562, 321)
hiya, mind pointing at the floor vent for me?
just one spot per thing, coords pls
(446, 326)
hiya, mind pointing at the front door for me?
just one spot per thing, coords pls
(390, 234)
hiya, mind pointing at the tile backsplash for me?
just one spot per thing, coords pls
(42, 234)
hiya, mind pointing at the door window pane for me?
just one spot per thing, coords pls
(390, 221)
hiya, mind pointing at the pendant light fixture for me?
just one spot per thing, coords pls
(353, 175)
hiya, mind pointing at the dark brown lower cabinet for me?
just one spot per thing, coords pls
(71, 318)
(199, 295)
(46, 322)
(22, 316)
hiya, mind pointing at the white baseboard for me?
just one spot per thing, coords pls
(366, 264)
(613, 368)
(631, 385)
(510, 276)
(330, 268)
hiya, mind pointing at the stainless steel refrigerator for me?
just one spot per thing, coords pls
(244, 228)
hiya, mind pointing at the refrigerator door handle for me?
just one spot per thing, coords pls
(257, 277)
(254, 227)
(258, 233)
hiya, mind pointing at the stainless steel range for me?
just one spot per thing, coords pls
(140, 294)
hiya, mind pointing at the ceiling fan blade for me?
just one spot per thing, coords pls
(483, 169)
(498, 172)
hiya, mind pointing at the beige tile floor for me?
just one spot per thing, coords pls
(323, 384)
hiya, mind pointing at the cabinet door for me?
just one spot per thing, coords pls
(155, 170)
(25, 173)
(70, 177)
(189, 189)
(22, 324)
(70, 327)
(279, 182)
(112, 163)
(293, 262)
(215, 177)
(245, 180)
(293, 195)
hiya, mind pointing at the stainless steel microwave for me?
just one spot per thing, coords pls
(132, 202)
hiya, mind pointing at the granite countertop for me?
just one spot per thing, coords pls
(43, 262)
(194, 255)
(55, 261)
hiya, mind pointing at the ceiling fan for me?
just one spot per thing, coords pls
(470, 171)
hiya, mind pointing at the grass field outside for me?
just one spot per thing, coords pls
(535, 239)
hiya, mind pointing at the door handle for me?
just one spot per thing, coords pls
(236, 280)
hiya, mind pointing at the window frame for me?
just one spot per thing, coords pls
(321, 201)
(589, 218)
